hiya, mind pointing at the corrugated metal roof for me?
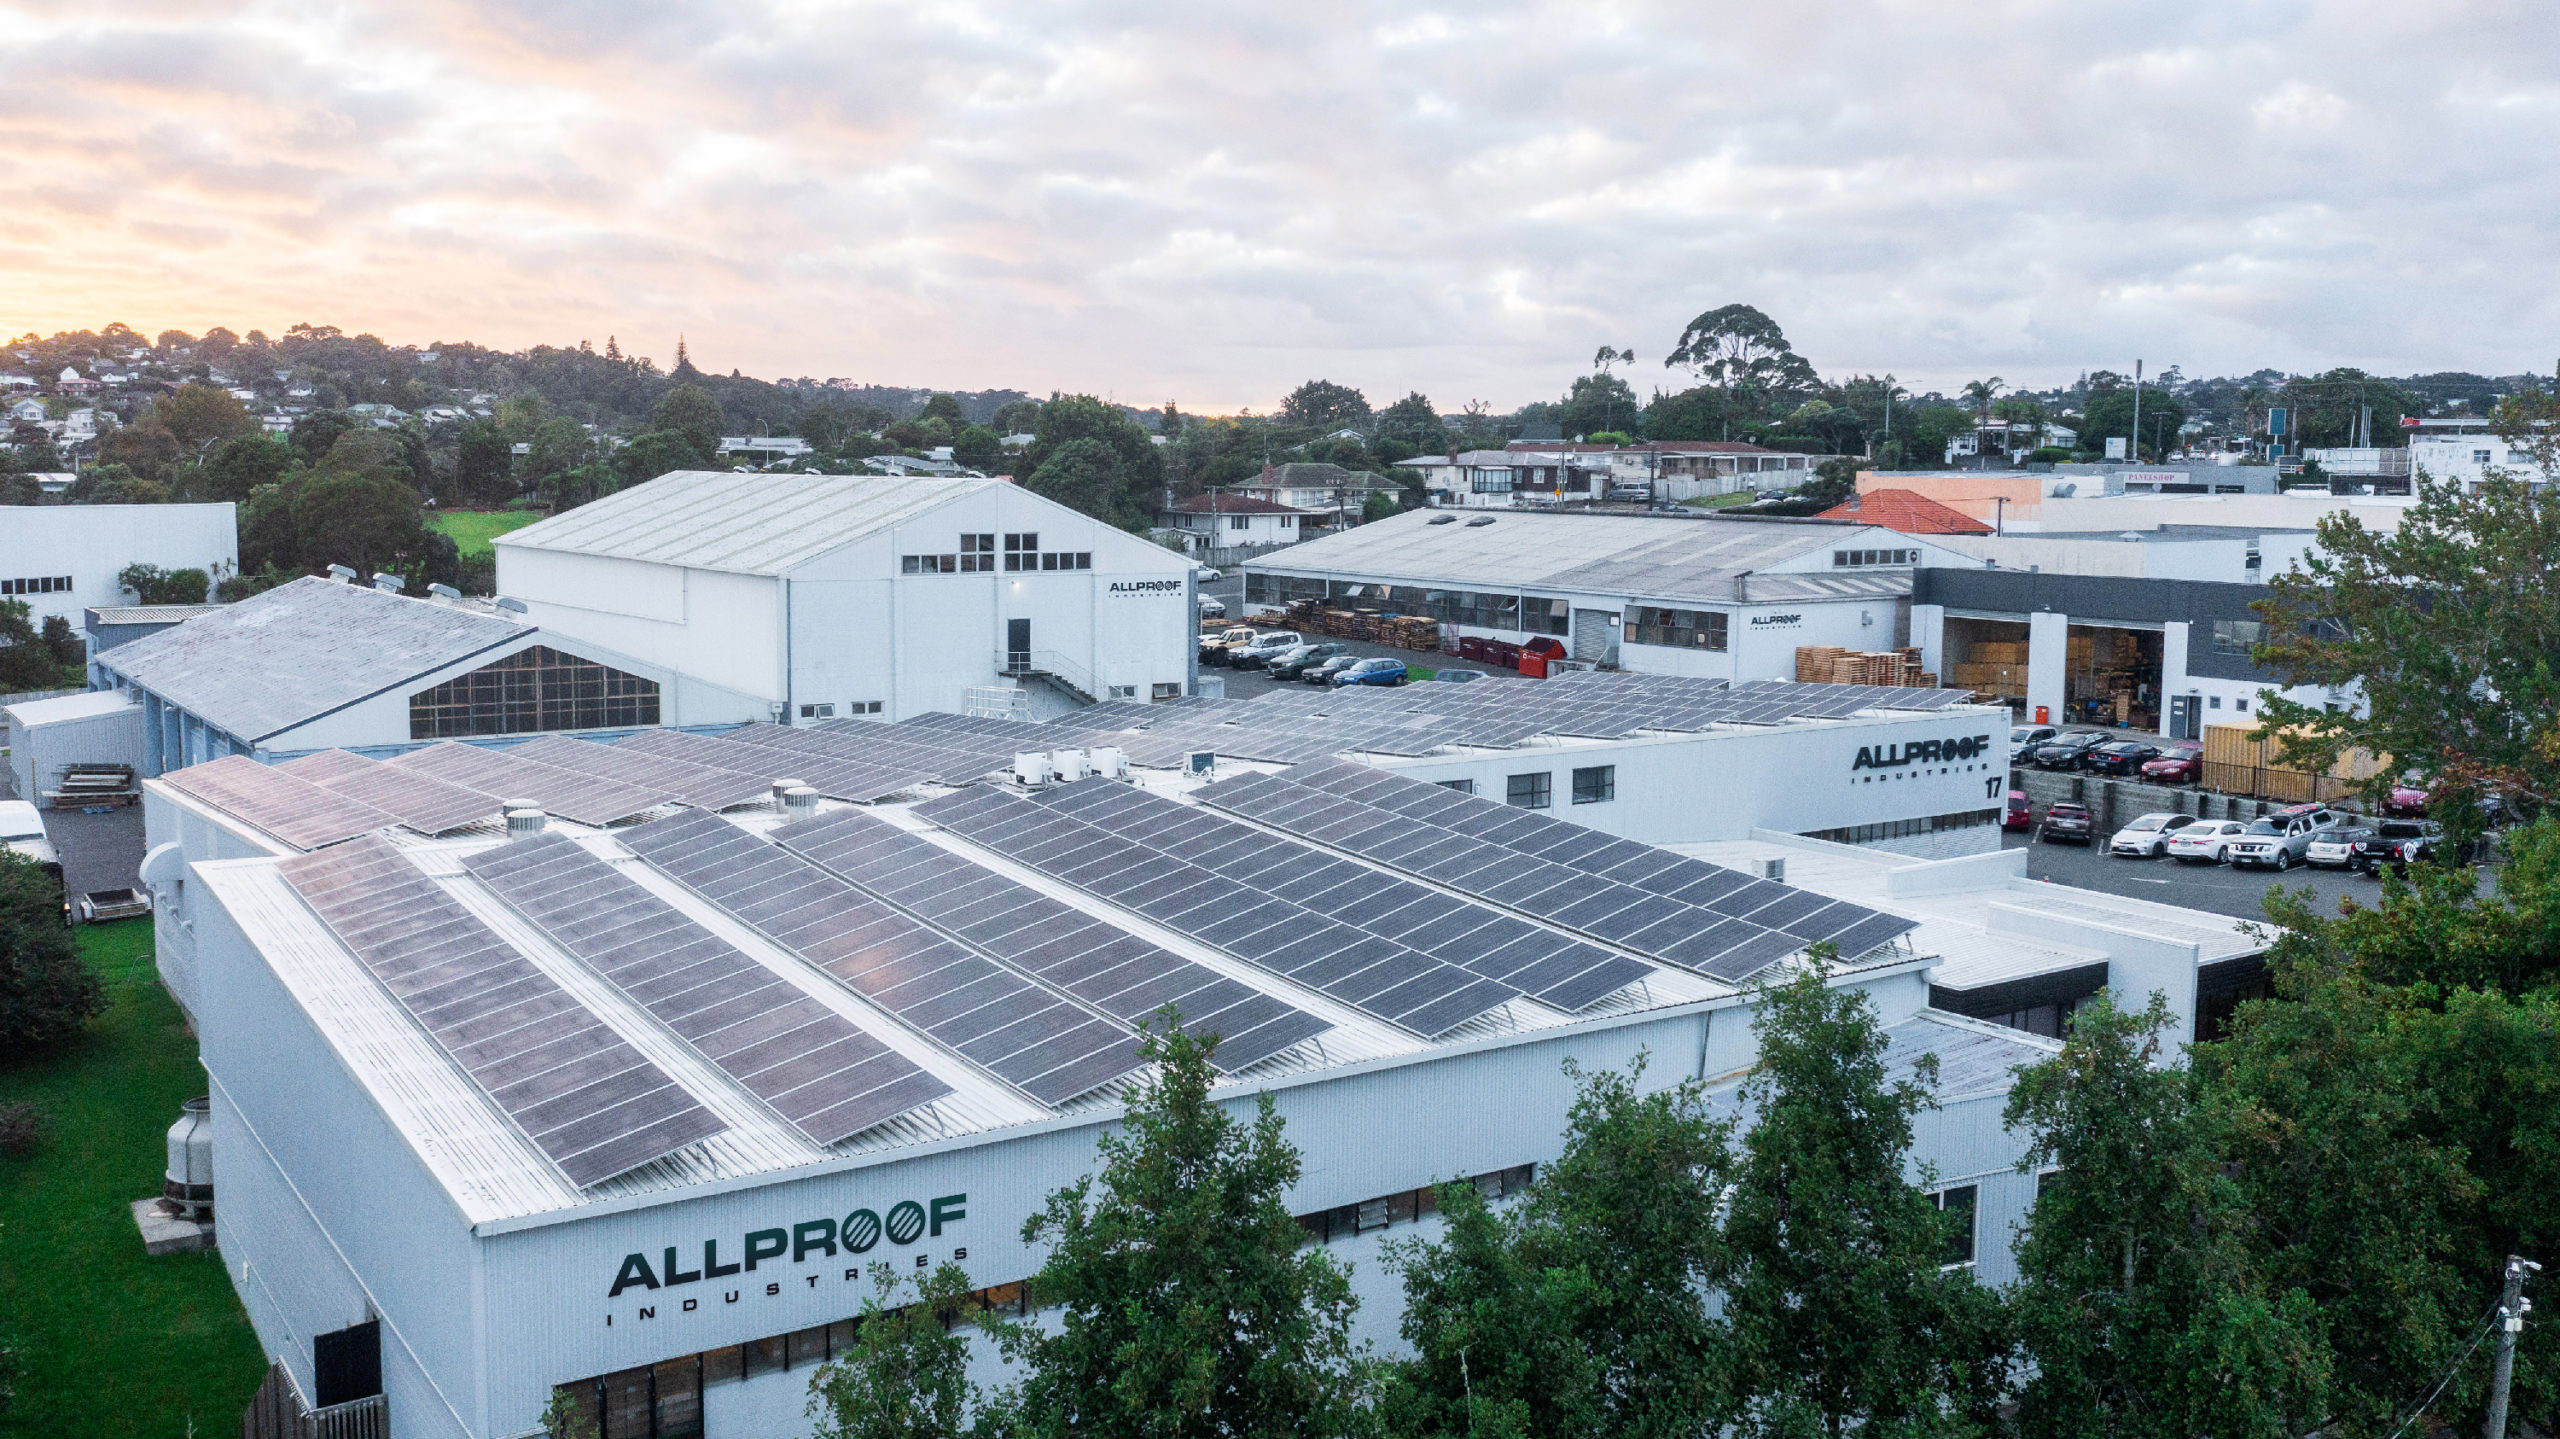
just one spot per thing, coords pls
(150, 614)
(1974, 1057)
(741, 523)
(301, 650)
(1638, 556)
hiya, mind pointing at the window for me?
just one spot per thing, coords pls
(1596, 785)
(1462, 786)
(1239, 522)
(37, 585)
(2480, 457)
(977, 552)
(1388, 1210)
(2234, 637)
(1491, 481)
(1165, 690)
(863, 707)
(2214, 703)
(536, 690)
(1862, 558)
(1123, 692)
(1016, 546)
(2241, 705)
(1546, 617)
(1958, 1202)
(1905, 828)
(1680, 629)
(1530, 791)
(930, 565)
(817, 712)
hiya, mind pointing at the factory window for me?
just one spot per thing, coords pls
(1862, 558)
(2234, 637)
(863, 707)
(38, 585)
(535, 690)
(1530, 791)
(1596, 785)
(1905, 828)
(977, 552)
(817, 712)
(1165, 690)
(1680, 629)
(1462, 786)
(1018, 545)
(1958, 1202)
(929, 565)
(1405, 1206)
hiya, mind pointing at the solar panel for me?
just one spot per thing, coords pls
(810, 1064)
(294, 810)
(576, 1088)
(1032, 1039)
(1378, 977)
(860, 782)
(1100, 964)
(699, 785)
(422, 802)
(581, 797)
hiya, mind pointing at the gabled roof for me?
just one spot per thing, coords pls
(1905, 512)
(1229, 505)
(742, 523)
(302, 650)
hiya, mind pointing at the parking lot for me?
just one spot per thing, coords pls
(1245, 684)
(2218, 888)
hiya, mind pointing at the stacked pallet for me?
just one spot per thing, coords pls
(1832, 665)
(1996, 667)
(1412, 632)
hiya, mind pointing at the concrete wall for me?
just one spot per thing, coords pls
(93, 543)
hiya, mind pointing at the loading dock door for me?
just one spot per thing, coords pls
(1594, 638)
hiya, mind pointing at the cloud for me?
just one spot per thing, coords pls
(1212, 203)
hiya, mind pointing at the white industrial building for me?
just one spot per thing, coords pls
(423, 1219)
(324, 664)
(1674, 595)
(47, 736)
(61, 559)
(829, 596)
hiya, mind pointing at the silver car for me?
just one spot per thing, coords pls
(2280, 841)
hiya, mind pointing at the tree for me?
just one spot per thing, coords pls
(146, 448)
(1115, 481)
(355, 508)
(689, 413)
(1979, 394)
(1840, 1307)
(945, 408)
(199, 415)
(1701, 413)
(1324, 405)
(114, 484)
(907, 1375)
(2110, 415)
(1743, 353)
(237, 467)
(1413, 421)
(2139, 1304)
(1833, 482)
(1597, 403)
(152, 585)
(977, 447)
(26, 662)
(317, 432)
(2530, 424)
(483, 465)
(1014, 417)
(1186, 1300)
(46, 993)
(2442, 627)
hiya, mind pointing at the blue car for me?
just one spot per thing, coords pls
(1372, 672)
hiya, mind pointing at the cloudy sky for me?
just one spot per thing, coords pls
(1212, 202)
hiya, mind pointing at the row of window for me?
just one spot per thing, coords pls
(1593, 784)
(977, 561)
(828, 711)
(38, 585)
(1905, 828)
(1245, 522)
(1862, 558)
(2235, 637)
(535, 691)
(1681, 629)
(1346, 1220)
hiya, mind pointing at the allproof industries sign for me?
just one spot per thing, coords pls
(857, 1232)
(1926, 751)
(1147, 587)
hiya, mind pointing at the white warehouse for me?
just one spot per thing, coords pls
(61, 559)
(831, 596)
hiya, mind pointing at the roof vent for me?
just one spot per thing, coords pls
(444, 592)
(524, 823)
(389, 584)
(1442, 520)
(1480, 522)
(1774, 869)
(799, 802)
(342, 574)
(782, 789)
(514, 607)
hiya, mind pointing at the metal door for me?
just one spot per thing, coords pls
(1017, 645)
(1594, 638)
(2182, 716)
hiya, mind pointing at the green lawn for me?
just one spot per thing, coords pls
(1718, 502)
(113, 1341)
(472, 530)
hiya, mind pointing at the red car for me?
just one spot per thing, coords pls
(2180, 763)
(2018, 815)
(2407, 801)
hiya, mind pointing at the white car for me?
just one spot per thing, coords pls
(22, 833)
(2207, 841)
(2148, 837)
(1208, 576)
(2027, 736)
(1212, 609)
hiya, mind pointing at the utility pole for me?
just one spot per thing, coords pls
(2134, 444)
(2512, 1308)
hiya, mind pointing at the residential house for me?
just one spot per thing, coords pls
(1327, 494)
(766, 449)
(1215, 523)
(72, 382)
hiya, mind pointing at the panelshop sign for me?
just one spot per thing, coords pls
(1926, 751)
(858, 1232)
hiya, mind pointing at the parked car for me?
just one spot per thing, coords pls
(2123, 756)
(1629, 494)
(2207, 841)
(1302, 657)
(1212, 609)
(22, 834)
(2018, 814)
(2280, 840)
(2065, 751)
(1206, 575)
(1372, 672)
(2336, 849)
(2180, 763)
(2399, 843)
(2407, 801)
(1266, 647)
(1769, 495)
(1457, 677)
(2025, 737)
(1214, 644)
(1323, 671)
(2067, 821)
(2148, 837)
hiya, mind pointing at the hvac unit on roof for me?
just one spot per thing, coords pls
(1031, 768)
(342, 574)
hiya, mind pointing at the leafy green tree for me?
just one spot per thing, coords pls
(1322, 404)
(1413, 421)
(1186, 1300)
(200, 415)
(236, 467)
(112, 484)
(907, 1375)
(1931, 428)
(1840, 1305)
(1082, 475)
(152, 585)
(978, 447)
(2442, 626)
(1015, 417)
(355, 508)
(46, 993)
(1583, 1310)
(945, 408)
(2529, 421)
(689, 413)
(1597, 404)
(2140, 1306)
(26, 662)
(483, 465)
(1701, 413)
(316, 433)
(1744, 354)
(1114, 474)
(1833, 482)
(2110, 415)
(145, 448)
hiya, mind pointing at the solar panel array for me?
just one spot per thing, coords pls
(813, 1066)
(1296, 726)
(1719, 922)
(1551, 968)
(1367, 971)
(857, 760)
(580, 1092)
(291, 808)
(581, 797)
(1036, 1041)
(420, 801)
(1099, 964)
(702, 786)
